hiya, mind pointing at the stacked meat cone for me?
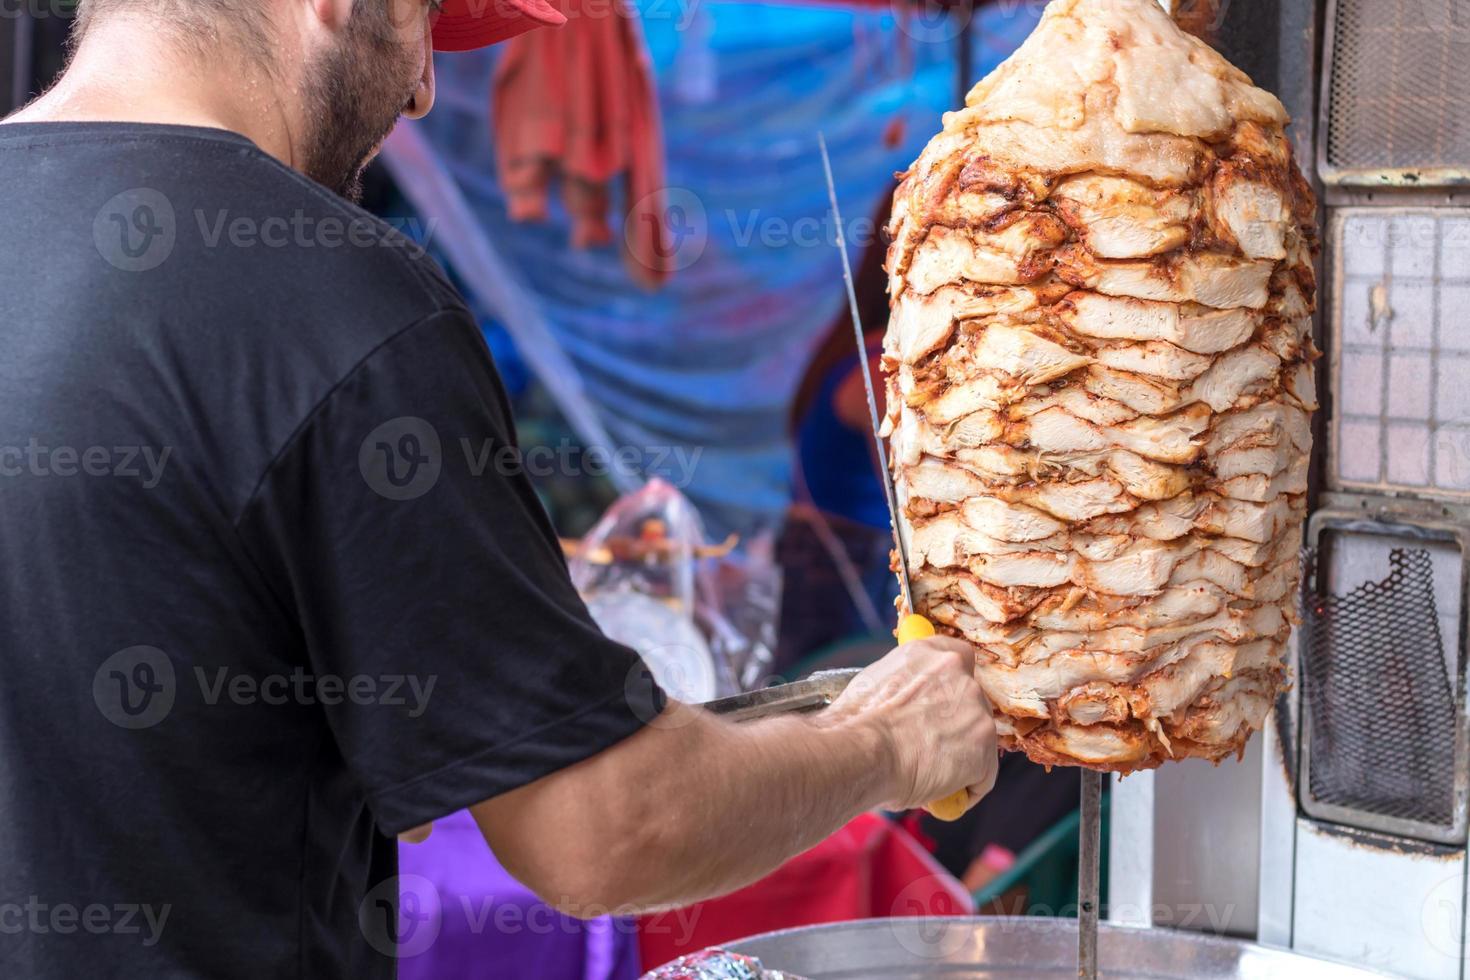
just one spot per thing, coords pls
(1099, 368)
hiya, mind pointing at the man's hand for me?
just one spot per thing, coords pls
(932, 716)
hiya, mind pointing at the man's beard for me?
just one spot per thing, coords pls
(358, 91)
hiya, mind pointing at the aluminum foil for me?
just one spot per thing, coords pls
(716, 964)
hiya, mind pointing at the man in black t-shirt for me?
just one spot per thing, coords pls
(258, 611)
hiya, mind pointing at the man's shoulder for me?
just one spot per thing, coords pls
(174, 262)
(193, 223)
(278, 232)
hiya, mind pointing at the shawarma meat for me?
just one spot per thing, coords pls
(1099, 370)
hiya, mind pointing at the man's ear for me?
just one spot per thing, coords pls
(332, 14)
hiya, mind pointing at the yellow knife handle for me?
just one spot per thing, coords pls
(952, 807)
(915, 627)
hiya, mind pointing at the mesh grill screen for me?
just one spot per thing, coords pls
(1381, 705)
(1399, 87)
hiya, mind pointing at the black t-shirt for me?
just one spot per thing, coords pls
(272, 587)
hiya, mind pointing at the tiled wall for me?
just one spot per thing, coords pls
(1401, 350)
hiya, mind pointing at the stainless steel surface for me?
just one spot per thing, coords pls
(1183, 841)
(1022, 949)
(1382, 902)
(1275, 864)
(1132, 849)
(890, 493)
(1089, 864)
(811, 694)
(1394, 93)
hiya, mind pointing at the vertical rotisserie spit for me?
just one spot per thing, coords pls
(1100, 381)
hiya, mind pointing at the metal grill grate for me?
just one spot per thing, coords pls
(1398, 86)
(1380, 706)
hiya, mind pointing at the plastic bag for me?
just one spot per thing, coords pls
(703, 619)
(739, 607)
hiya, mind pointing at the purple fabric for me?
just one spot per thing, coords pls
(463, 917)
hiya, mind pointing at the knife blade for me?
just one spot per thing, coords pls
(911, 626)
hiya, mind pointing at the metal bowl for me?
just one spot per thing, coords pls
(1022, 947)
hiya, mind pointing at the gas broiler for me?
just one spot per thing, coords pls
(1344, 832)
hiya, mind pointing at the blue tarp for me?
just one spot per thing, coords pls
(712, 360)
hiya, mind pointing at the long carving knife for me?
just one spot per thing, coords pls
(912, 626)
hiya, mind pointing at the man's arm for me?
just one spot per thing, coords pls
(458, 583)
(696, 806)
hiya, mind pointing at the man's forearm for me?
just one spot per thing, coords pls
(695, 806)
(691, 807)
(760, 793)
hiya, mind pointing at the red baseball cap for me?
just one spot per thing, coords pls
(464, 25)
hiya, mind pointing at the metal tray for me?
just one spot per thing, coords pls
(1022, 947)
